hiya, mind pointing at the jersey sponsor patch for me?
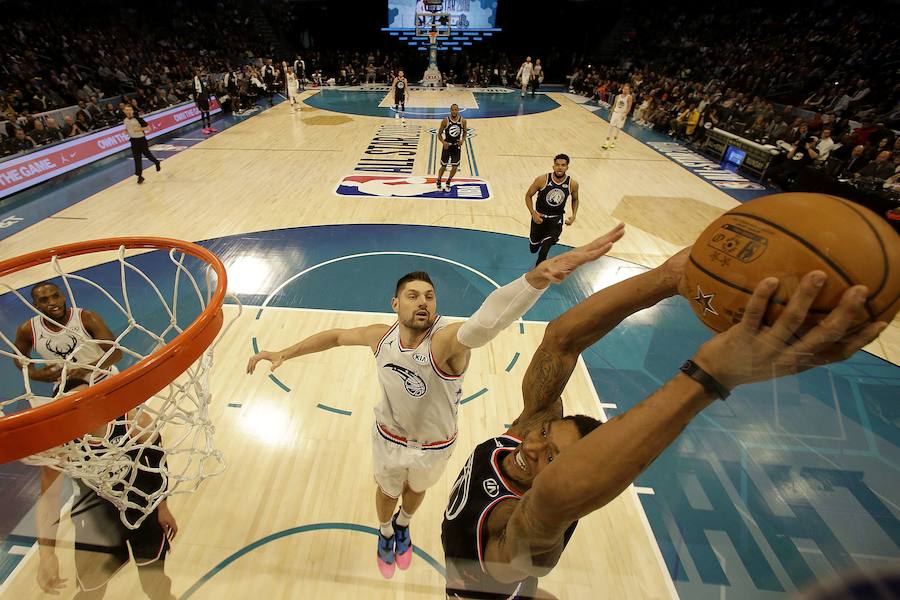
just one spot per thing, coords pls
(420, 358)
(470, 189)
(491, 487)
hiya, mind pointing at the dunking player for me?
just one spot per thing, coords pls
(201, 98)
(399, 88)
(621, 107)
(101, 540)
(519, 497)
(547, 214)
(452, 134)
(70, 336)
(421, 362)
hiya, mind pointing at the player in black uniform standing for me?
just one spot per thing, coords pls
(399, 87)
(101, 540)
(452, 134)
(549, 212)
(201, 98)
(515, 503)
(269, 76)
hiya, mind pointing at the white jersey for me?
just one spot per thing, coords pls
(71, 343)
(525, 71)
(419, 402)
(621, 104)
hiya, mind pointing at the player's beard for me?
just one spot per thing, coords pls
(417, 325)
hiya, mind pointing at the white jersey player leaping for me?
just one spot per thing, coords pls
(421, 361)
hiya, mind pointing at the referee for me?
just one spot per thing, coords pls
(136, 126)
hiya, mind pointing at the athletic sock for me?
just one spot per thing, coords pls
(387, 530)
(403, 519)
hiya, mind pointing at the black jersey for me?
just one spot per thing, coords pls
(453, 131)
(139, 467)
(552, 197)
(400, 88)
(479, 488)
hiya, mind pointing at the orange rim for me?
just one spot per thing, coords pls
(36, 429)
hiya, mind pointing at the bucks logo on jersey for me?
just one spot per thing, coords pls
(414, 385)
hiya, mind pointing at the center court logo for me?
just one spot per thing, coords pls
(470, 189)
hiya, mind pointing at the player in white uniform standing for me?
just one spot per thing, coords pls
(526, 72)
(621, 108)
(290, 82)
(73, 337)
(421, 361)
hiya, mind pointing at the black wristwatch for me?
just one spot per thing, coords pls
(709, 383)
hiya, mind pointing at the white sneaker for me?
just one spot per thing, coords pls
(447, 187)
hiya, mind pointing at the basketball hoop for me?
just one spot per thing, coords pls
(167, 382)
(432, 37)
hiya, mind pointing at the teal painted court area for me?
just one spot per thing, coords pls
(490, 104)
(786, 482)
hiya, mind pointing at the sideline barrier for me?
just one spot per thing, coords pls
(23, 171)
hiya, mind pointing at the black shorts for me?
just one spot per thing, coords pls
(549, 229)
(399, 98)
(102, 541)
(203, 103)
(450, 156)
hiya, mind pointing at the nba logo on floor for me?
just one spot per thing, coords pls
(400, 186)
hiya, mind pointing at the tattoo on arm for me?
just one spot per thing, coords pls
(546, 377)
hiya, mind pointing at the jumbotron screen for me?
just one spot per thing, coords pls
(464, 14)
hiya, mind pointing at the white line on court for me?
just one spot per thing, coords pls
(632, 494)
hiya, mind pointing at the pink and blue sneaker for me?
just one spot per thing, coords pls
(386, 558)
(402, 545)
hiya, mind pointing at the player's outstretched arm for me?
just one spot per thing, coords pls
(504, 305)
(596, 469)
(325, 340)
(581, 326)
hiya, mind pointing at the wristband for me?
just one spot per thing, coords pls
(709, 383)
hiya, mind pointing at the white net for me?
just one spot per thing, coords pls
(163, 446)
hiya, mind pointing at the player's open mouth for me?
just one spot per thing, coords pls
(520, 460)
(422, 313)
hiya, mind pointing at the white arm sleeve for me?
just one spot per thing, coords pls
(498, 312)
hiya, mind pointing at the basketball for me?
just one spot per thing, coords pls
(787, 236)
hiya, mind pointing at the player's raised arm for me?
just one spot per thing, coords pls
(324, 340)
(581, 326)
(598, 467)
(504, 305)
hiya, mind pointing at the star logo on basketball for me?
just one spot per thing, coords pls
(412, 383)
(555, 197)
(705, 301)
